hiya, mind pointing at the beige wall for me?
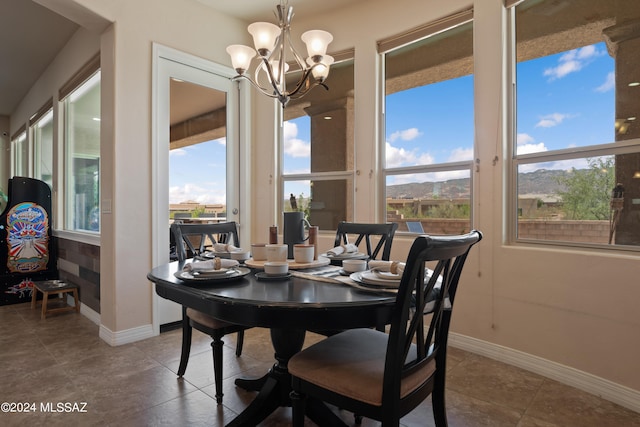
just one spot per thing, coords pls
(126, 236)
(572, 307)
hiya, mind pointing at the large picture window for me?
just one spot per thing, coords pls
(82, 156)
(318, 150)
(576, 149)
(429, 127)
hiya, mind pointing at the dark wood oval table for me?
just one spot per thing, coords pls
(289, 308)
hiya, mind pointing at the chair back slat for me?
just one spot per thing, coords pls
(384, 232)
(409, 347)
(187, 234)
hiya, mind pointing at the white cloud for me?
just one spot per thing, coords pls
(531, 148)
(201, 193)
(290, 130)
(609, 83)
(405, 135)
(572, 61)
(178, 152)
(461, 154)
(222, 141)
(427, 177)
(551, 120)
(587, 52)
(398, 156)
(523, 138)
(425, 159)
(563, 69)
(297, 148)
(293, 146)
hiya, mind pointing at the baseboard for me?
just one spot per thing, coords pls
(616, 393)
(86, 311)
(126, 336)
(114, 338)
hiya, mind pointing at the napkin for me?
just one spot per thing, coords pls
(346, 249)
(393, 267)
(211, 264)
(224, 247)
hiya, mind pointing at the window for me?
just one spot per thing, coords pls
(429, 126)
(20, 153)
(576, 152)
(41, 125)
(82, 156)
(318, 149)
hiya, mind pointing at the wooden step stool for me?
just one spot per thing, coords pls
(54, 287)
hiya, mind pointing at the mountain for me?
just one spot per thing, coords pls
(540, 182)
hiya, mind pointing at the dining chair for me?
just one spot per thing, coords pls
(363, 232)
(193, 237)
(385, 376)
(356, 233)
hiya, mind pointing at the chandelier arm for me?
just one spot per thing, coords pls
(254, 84)
(272, 80)
(300, 94)
(306, 79)
(299, 59)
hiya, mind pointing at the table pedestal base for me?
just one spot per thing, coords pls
(274, 388)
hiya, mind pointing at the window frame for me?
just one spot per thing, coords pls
(45, 112)
(388, 45)
(348, 175)
(629, 146)
(19, 138)
(87, 73)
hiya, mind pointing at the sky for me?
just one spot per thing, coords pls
(563, 100)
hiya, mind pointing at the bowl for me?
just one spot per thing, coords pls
(240, 256)
(276, 268)
(353, 265)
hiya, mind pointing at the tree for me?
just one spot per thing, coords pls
(587, 192)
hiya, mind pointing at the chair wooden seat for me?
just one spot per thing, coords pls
(384, 377)
(206, 320)
(336, 364)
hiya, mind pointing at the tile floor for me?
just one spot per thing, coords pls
(62, 360)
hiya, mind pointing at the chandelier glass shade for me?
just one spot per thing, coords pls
(272, 44)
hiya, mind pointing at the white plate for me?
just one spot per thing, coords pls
(235, 273)
(219, 272)
(214, 254)
(386, 275)
(350, 255)
(370, 279)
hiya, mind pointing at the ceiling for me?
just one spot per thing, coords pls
(38, 34)
(263, 10)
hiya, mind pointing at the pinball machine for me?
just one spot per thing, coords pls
(28, 251)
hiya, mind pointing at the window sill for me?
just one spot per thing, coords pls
(77, 236)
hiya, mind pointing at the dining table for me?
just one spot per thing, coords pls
(289, 307)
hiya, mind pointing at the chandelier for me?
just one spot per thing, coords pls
(272, 42)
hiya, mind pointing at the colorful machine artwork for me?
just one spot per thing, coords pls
(27, 238)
